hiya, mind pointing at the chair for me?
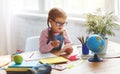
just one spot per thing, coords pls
(32, 43)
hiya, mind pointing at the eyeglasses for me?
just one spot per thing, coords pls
(60, 24)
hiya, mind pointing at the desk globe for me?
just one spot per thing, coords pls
(96, 44)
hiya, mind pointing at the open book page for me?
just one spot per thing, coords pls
(36, 55)
(4, 60)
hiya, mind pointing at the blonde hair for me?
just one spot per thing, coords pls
(53, 14)
(56, 13)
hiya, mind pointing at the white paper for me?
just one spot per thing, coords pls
(36, 55)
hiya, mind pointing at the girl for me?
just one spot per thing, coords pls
(55, 35)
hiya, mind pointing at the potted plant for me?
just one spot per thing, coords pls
(102, 24)
(99, 23)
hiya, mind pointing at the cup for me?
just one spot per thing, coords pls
(85, 50)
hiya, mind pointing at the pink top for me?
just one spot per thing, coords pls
(44, 47)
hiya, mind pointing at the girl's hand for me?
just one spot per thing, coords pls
(69, 50)
(55, 43)
(67, 46)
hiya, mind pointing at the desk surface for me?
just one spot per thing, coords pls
(108, 66)
(111, 65)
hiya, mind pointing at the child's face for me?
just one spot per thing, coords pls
(58, 24)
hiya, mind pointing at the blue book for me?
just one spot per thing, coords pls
(24, 64)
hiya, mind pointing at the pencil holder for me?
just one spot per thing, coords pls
(85, 50)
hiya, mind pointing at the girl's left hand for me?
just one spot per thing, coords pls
(69, 50)
(67, 46)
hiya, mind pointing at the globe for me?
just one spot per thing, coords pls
(96, 44)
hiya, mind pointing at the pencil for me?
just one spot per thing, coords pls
(80, 39)
(31, 55)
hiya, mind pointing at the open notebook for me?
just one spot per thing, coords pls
(36, 55)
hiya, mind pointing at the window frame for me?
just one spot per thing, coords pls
(108, 7)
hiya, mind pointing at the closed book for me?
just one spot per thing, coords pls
(53, 60)
(17, 69)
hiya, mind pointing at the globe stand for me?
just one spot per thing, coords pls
(95, 59)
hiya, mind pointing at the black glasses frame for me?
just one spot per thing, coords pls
(60, 24)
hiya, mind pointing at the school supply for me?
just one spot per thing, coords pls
(36, 55)
(30, 67)
(41, 69)
(53, 60)
(58, 67)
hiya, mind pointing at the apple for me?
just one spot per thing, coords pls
(18, 59)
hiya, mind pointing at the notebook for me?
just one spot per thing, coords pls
(24, 64)
(53, 60)
(36, 55)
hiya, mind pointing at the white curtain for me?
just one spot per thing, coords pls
(7, 43)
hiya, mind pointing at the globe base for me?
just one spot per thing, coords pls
(95, 59)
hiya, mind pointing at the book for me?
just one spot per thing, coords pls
(5, 60)
(17, 69)
(53, 60)
(24, 64)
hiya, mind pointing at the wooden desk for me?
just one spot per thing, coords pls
(108, 66)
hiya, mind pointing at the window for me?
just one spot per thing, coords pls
(70, 6)
(76, 6)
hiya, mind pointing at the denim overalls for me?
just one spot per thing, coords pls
(57, 37)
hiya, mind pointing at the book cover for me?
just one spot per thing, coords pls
(24, 64)
(53, 60)
(17, 69)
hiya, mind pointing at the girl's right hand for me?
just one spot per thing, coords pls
(55, 43)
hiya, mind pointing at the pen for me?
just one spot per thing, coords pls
(31, 55)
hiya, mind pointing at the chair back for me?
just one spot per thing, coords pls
(32, 43)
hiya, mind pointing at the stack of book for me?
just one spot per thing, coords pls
(21, 68)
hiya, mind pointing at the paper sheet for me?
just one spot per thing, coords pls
(4, 60)
(36, 55)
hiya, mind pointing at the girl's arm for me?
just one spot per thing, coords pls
(66, 37)
(44, 47)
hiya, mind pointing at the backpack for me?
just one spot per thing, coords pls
(41, 69)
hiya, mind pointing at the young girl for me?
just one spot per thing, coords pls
(55, 35)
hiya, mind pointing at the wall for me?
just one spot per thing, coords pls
(26, 26)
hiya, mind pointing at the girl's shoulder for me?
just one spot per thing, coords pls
(45, 30)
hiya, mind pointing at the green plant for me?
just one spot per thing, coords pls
(102, 24)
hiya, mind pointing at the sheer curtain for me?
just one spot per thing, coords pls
(7, 43)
